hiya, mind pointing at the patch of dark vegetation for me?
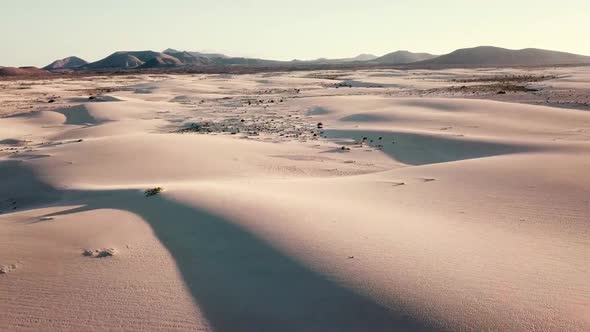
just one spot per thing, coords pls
(342, 85)
(5, 269)
(153, 191)
(357, 84)
(509, 87)
(497, 88)
(327, 76)
(99, 253)
(283, 128)
(507, 78)
(94, 92)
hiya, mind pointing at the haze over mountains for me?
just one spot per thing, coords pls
(171, 58)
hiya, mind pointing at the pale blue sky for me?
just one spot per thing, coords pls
(36, 32)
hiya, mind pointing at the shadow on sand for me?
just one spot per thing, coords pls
(416, 149)
(240, 282)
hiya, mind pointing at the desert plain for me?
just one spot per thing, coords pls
(368, 200)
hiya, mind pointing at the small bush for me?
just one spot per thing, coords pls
(153, 191)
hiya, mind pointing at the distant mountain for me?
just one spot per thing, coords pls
(359, 58)
(496, 56)
(402, 58)
(162, 60)
(171, 58)
(22, 71)
(245, 62)
(117, 60)
(217, 59)
(172, 51)
(363, 57)
(71, 62)
(126, 60)
(188, 58)
(143, 55)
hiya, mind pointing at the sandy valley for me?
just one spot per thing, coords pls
(369, 200)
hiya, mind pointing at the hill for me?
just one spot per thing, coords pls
(162, 60)
(124, 60)
(22, 71)
(363, 57)
(118, 60)
(188, 58)
(245, 62)
(172, 51)
(71, 62)
(359, 58)
(402, 57)
(496, 56)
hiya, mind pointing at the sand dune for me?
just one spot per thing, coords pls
(288, 204)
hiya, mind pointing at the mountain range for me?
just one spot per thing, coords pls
(171, 58)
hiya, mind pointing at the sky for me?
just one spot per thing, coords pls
(36, 32)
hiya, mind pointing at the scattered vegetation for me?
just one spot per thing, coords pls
(99, 253)
(153, 191)
(327, 76)
(507, 78)
(342, 85)
(293, 128)
(5, 269)
(496, 88)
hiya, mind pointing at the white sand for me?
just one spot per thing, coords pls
(473, 215)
